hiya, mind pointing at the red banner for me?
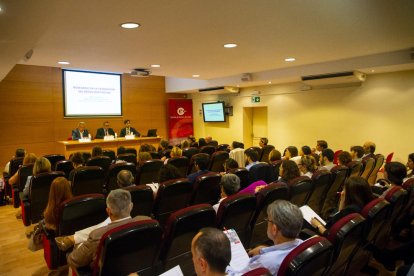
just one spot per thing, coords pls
(180, 118)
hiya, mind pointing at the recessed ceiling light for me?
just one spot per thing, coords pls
(64, 62)
(230, 45)
(238, 85)
(372, 71)
(269, 82)
(1, 9)
(155, 65)
(196, 76)
(290, 59)
(130, 25)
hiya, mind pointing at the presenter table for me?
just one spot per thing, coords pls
(69, 147)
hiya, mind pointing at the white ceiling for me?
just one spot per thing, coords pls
(186, 37)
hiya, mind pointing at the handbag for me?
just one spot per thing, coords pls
(36, 238)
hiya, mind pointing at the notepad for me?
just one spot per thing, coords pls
(175, 271)
(308, 214)
(239, 257)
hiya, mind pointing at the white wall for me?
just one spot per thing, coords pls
(380, 110)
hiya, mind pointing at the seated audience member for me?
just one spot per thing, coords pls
(230, 185)
(344, 158)
(201, 165)
(104, 131)
(356, 153)
(305, 150)
(185, 144)
(77, 161)
(129, 130)
(168, 172)
(254, 187)
(237, 152)
(288, 171)
(163, 146)
(120, 150)
(119, 207)
(96, 151)
(60, 190)
(145, 148)
(191, 139)
(326, 159)
(144, 156)
(369, 149)
(252, 158)
(230, 164)
(41, 165)
(80, 132)
(308, 166)
(19, 153)
(274, 156)
(30, 158)
(394, 172)
(355, 195)
(410, 167)
(202, 142)
(320, 146)
(263, 142)
(284, 224)
(124, 179)
(175, 153)
(211, 252)
(291, 153)
(208, 139)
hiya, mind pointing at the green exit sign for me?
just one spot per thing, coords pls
(255, 99)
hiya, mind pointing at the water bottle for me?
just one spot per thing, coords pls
(116, 135)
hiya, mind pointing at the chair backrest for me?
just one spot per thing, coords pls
(172, 195)
(235, 212)
(155, 155)
(336, 154)
(114, 169)
(312, 257)
(375, 212)
(206, 189)
(101, 161)
(65, 166)
(191, 166)
(131, 150)
(257, 149)
(24, 172)
(264, 197)
(355, 168)
(189, 152)
(223, 147)
(208, 149)
(86, 155)
(121, 247)
(264, 157)
(300, 189)
(322, 182)
(80, 212)
(243, 174)
(217, 161)
(39, 193)
(346, 235)
(238, 155)
(369, 164)
(338, 174)
(143, 199)
(88, 180)
(379, 161)
(180, 229)
(389, 157)
(181, 163)
(261, 171)
(128, 157)
(148, 172)
(110, 153)
(15, 163)
(53, 159)
(275, 169)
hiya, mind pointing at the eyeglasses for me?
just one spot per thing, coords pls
(268, 220)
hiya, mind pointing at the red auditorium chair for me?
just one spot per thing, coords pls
(322, 182)
(148, 172)
(189, 152)
(368, 166)
(235, 212)
(110, 153)
(336, 154)
(88, 180)
(261, 171)
(338, 174)
(312, 257)
(131, 150)
(53, 159)
(143, 199)
(181, 163)
(15, 163)
(300, 189)
(206, 189)
(180, 229)
(24, 172)
(65, 166)
(217, 161)
(355, 168)
(243, 174)
(127, 157)
(223, 147)
(208, 149)
(379, 161)
(114, 169)
(101, 161)
(74, 214)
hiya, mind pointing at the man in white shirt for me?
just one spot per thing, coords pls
(356, 153)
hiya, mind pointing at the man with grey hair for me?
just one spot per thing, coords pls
(283, 227)
(118, 207)
(230, 185)
(125, 179)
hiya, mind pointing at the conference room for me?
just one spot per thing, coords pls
(293, 72)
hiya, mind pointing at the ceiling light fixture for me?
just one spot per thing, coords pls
(196, 76)
(155, 65)
(230, 45)
(64, 62)
(290, 59)
(269, 82)
(130, 25)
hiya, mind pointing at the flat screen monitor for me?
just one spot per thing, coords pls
(152, 133)
(214, 112)
(91, 94)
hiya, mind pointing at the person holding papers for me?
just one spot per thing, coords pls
(283, 227)
(80, 132)
(128, 130)
(104, 131)
(355, 195)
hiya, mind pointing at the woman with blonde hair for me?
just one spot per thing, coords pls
(175, 152)
(41, 165)
(60, 190)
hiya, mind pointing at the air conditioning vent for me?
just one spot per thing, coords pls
(333, 80)
(219, 90)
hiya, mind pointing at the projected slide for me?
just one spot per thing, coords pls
(213, 112)
(92, 94)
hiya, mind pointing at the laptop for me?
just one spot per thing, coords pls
(152, 133)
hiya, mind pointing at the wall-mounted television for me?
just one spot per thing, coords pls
(91, 94)
(214, 112)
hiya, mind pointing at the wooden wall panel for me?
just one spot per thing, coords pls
(31, 115)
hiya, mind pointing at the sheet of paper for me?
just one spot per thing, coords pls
(239, 257)
(308, 214)
(154, 187)
(175, 271)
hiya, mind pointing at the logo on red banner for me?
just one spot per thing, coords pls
(180, 118)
